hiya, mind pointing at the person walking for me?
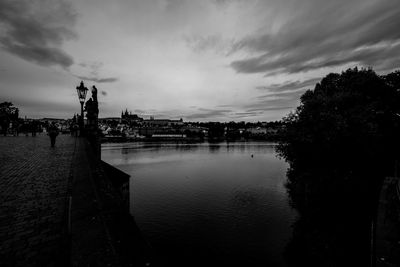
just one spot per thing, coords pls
(76, 130)
(33, 128)
(53, 132)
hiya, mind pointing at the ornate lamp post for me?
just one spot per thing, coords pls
(82, 91)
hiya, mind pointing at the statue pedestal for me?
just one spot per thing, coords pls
(92, 128)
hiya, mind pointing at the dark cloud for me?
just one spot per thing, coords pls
(208, 114)
(290, 85)
(274, 102)
(224, 106)
(258, 108)
(36, 30)
(224, 3)
(103, 93)
(93, 67)
(254, 112)
(247, 114)
(282, 95)
(106, 80)
(269, 109)
(98, 80)
(321, 34)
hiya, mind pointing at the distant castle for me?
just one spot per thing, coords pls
(129, 117)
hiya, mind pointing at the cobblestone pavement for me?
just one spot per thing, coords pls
(33, 188)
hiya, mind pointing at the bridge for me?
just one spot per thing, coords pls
(63, 206)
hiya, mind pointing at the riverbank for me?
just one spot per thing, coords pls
(103, 233)
(120, 139)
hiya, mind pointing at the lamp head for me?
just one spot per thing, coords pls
(82, 91)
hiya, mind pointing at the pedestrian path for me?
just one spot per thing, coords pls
(34, 180)
(59, 207)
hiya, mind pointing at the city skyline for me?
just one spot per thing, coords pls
(216, 60)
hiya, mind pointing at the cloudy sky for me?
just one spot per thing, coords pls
(209, 60)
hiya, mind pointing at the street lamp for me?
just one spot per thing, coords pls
(81, 90)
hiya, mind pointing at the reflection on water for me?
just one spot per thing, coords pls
(208, 204)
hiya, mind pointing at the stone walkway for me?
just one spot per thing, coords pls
(34, 180)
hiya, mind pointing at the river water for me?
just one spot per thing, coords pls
(208, 204)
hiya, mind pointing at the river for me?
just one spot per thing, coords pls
(208, 204)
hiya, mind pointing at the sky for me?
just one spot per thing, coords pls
(200, 60)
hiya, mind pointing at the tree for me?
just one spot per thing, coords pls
(356, 111)
(340, 143)
(216, 130)
(8, 113)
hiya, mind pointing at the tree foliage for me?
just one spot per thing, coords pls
(7, 110)
(340, 143)
(8, 113)
(348, 121)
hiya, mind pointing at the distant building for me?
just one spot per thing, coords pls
(148, 131)
(129, 117)
(168, 136)
(110, 119)
(162, 122)
(257, 130)
(195, 129)
(52, 120)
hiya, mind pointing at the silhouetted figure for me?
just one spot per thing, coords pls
(75, 130)
(33, 128)
(15, 128)
(26, 127)
(53, 132)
